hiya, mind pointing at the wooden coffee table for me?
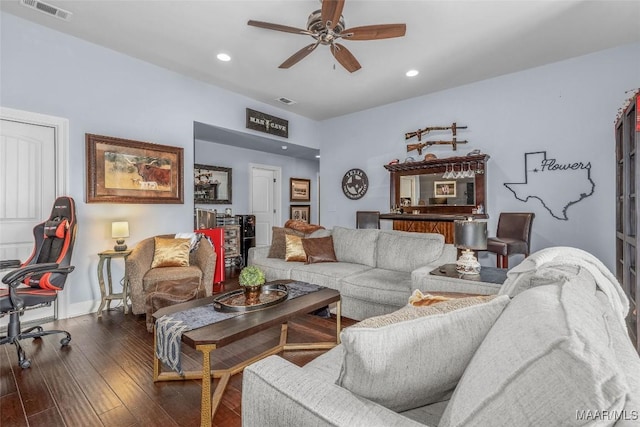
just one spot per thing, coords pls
(216, 335)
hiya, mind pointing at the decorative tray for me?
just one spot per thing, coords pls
(235, 300)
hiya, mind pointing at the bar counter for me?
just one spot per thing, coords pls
(428, 222)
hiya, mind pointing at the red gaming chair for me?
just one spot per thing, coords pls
(36, 281)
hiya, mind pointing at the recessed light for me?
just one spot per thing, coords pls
(412, 73)
(223, 57)
(317, 156)
(284, 147)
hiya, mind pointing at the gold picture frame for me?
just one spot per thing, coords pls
(126, 171)
(300, 190)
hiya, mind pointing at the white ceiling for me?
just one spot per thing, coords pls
(450, 42)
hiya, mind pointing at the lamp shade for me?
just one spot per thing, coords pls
(470, 234)
(119, 229)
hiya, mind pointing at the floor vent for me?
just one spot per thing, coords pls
(47, 9)
(286, 100)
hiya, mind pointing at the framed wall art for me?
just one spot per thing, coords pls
(300, 190)
(444, 188)
(212, 184)
(125, 171)
(300, 212)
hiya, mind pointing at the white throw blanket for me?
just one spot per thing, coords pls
(545, 262)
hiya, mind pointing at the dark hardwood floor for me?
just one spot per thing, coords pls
(104, 377)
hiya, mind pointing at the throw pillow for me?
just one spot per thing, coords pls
(415, 356)
(294, 249)
(319, 250)
(419, 299)
(302, 226)
(278, 243)
(546, 359)
(171, 252)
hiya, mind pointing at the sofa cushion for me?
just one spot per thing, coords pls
(278, 242)
(405, 251)
(274, 268)
(416, 362)
(548, 357)
(379, 286)
(325, 274)
(355, 246)
(319, 250)
(294, 249)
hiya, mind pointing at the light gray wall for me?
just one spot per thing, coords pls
(104, 92)
(567, 108)
(238, 159)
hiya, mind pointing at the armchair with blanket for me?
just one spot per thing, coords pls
(149, 266)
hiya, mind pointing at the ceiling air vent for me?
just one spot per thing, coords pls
(47, 9)
(286, 100)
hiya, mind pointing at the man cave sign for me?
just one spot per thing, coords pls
(355, 184)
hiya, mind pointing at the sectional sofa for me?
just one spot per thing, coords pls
(376, 270)
(555, 354)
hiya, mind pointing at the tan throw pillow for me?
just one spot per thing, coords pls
(278, 247)
(171, 252)
(403, 364)
(294, 249)
(319, 250)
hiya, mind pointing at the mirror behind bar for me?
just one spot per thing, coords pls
(453, 185)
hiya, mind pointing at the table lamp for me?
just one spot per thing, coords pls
(469, 235)
(120, 230)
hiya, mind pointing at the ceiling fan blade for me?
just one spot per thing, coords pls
(277, 27)
(374, 32)
(345, 58)
(331, 12)
(298, 56)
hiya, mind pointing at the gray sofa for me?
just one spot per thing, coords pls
(376, 272)
(556, 354)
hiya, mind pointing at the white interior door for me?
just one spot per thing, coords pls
(265, 201)
(32, 151)
(28, 185)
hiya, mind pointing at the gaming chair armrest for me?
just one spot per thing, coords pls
(15, 277)
(9, 263)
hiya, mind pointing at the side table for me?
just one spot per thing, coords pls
(446, 279)
(107, 297)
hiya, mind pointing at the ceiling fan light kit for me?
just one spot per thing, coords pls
(326, 26)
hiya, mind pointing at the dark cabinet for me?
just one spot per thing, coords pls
(627, 132)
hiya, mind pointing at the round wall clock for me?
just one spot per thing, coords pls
(355, 184)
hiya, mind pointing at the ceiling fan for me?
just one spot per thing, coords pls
(327, 26)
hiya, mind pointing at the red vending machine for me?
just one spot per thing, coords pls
(217, 238)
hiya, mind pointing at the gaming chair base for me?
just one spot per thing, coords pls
(14, 336)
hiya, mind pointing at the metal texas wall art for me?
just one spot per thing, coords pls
(557, 185)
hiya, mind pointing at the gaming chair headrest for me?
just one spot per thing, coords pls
(54, 241)
(64, 207)
(62, 218)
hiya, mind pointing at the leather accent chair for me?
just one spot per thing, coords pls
(513, 236)
(368, 219)
(144, 280)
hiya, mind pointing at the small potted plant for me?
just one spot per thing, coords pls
(251, 279)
